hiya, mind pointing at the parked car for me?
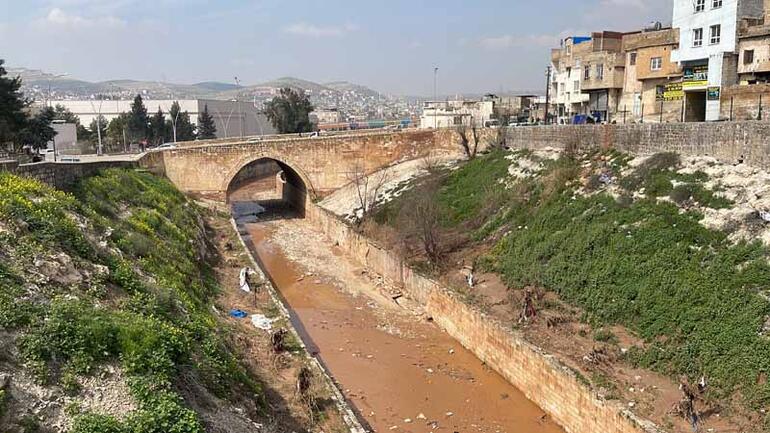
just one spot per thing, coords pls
(166, 146)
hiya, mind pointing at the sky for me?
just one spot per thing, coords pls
(392, 46)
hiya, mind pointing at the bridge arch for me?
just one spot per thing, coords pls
(270, 181)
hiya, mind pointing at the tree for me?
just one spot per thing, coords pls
(369, 189)
(92, 135)
(38, 131)
(158, 128)
(13, 118)
(180, 120)
(207, 130)
(470, 144)
(290, 112)
(64, 114)
(137, 121)
(117, 132)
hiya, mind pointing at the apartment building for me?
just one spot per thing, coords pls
(707, 51)
(567, 97)
(652, 88)
(603, 75)
(754, 49)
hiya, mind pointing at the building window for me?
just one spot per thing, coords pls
(700, 5)
(586, 72)
(576, 86)
(656, 63)
(716, 4)
(600, 71)
(632, 59)
(697, 37)
(748, 57)
(716, 34)
(569, 72)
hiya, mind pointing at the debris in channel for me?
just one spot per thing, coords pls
(262, 322)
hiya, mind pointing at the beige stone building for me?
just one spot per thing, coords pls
(652, 89)
(603, 75)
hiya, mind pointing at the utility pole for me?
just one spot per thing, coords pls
(435, 98)
(547, 92)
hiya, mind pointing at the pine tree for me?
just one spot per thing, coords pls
(138, 121)
(13, 118)
(207, 130)
(158, 128)
(38, 131)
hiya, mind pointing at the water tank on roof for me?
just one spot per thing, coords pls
(653, 26)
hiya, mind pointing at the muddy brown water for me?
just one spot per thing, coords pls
(406, 376)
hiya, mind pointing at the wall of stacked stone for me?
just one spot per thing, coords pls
(63, 175)
(540, 376)
(728, 141)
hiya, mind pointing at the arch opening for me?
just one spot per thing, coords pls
(267, 188)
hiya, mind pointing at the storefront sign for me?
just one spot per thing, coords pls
(712, 94)
(695, 76)
(669, 92)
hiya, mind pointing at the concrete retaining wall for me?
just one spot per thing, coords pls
(727, 141)
(542, 378)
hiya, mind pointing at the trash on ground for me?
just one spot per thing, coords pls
(238, 314)
(262, 322)
(765, 215)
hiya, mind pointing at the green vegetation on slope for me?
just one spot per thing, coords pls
(645, 263)
(138, 293)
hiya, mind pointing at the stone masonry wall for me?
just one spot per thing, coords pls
(60, 175)
(727, 141)
(542, 378)
(324, 163)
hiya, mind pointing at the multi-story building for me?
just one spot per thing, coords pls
(445, 114)
(652, 89)
(325, 116)
(567, 97)
(754, 49)
(603, 74)
(707, 50)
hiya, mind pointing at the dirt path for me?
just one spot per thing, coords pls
(400, 371)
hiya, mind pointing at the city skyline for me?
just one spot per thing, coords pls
(392, 48)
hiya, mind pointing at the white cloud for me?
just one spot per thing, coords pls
(313, 31)
(59, 17)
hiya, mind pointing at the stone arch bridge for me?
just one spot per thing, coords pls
(311, 167)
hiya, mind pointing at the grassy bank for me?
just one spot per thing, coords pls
(625, 245)
(118, 273)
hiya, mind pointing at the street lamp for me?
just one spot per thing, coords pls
(99, 149)
(238, 100)
(173, 119)
(547, 92)
(259, 107)
(435, 98)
